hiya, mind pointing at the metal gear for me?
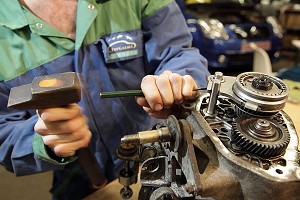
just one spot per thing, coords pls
(260, 92)
(263, 137)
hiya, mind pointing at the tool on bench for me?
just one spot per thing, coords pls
(53, 91)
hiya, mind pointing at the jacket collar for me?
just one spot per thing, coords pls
(12, 15)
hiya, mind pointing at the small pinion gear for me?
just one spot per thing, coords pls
(260, 136)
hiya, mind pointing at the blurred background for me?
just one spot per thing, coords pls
(223, 31)
(228, 34)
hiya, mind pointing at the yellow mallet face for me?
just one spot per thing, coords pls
(51, 83)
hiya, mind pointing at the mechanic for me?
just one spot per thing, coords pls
(115, 45)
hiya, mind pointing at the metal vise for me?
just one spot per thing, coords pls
(233, 142)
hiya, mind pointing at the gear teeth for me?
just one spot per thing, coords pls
(264, 149)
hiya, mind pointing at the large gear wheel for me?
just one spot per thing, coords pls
(260, 136)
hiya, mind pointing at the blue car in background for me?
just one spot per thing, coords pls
(223, 29)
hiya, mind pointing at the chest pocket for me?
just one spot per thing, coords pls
(122, 46)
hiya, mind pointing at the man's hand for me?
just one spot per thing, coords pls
(163, 93)
(63, 129)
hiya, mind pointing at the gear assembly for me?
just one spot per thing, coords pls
(233, 142)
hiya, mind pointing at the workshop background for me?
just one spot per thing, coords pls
(227, 43)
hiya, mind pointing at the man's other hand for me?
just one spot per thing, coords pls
(63, 129)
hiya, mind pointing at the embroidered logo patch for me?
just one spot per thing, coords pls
(123, 45)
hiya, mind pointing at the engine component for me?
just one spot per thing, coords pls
(259, 92)
(261, 137)
(233, 140)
